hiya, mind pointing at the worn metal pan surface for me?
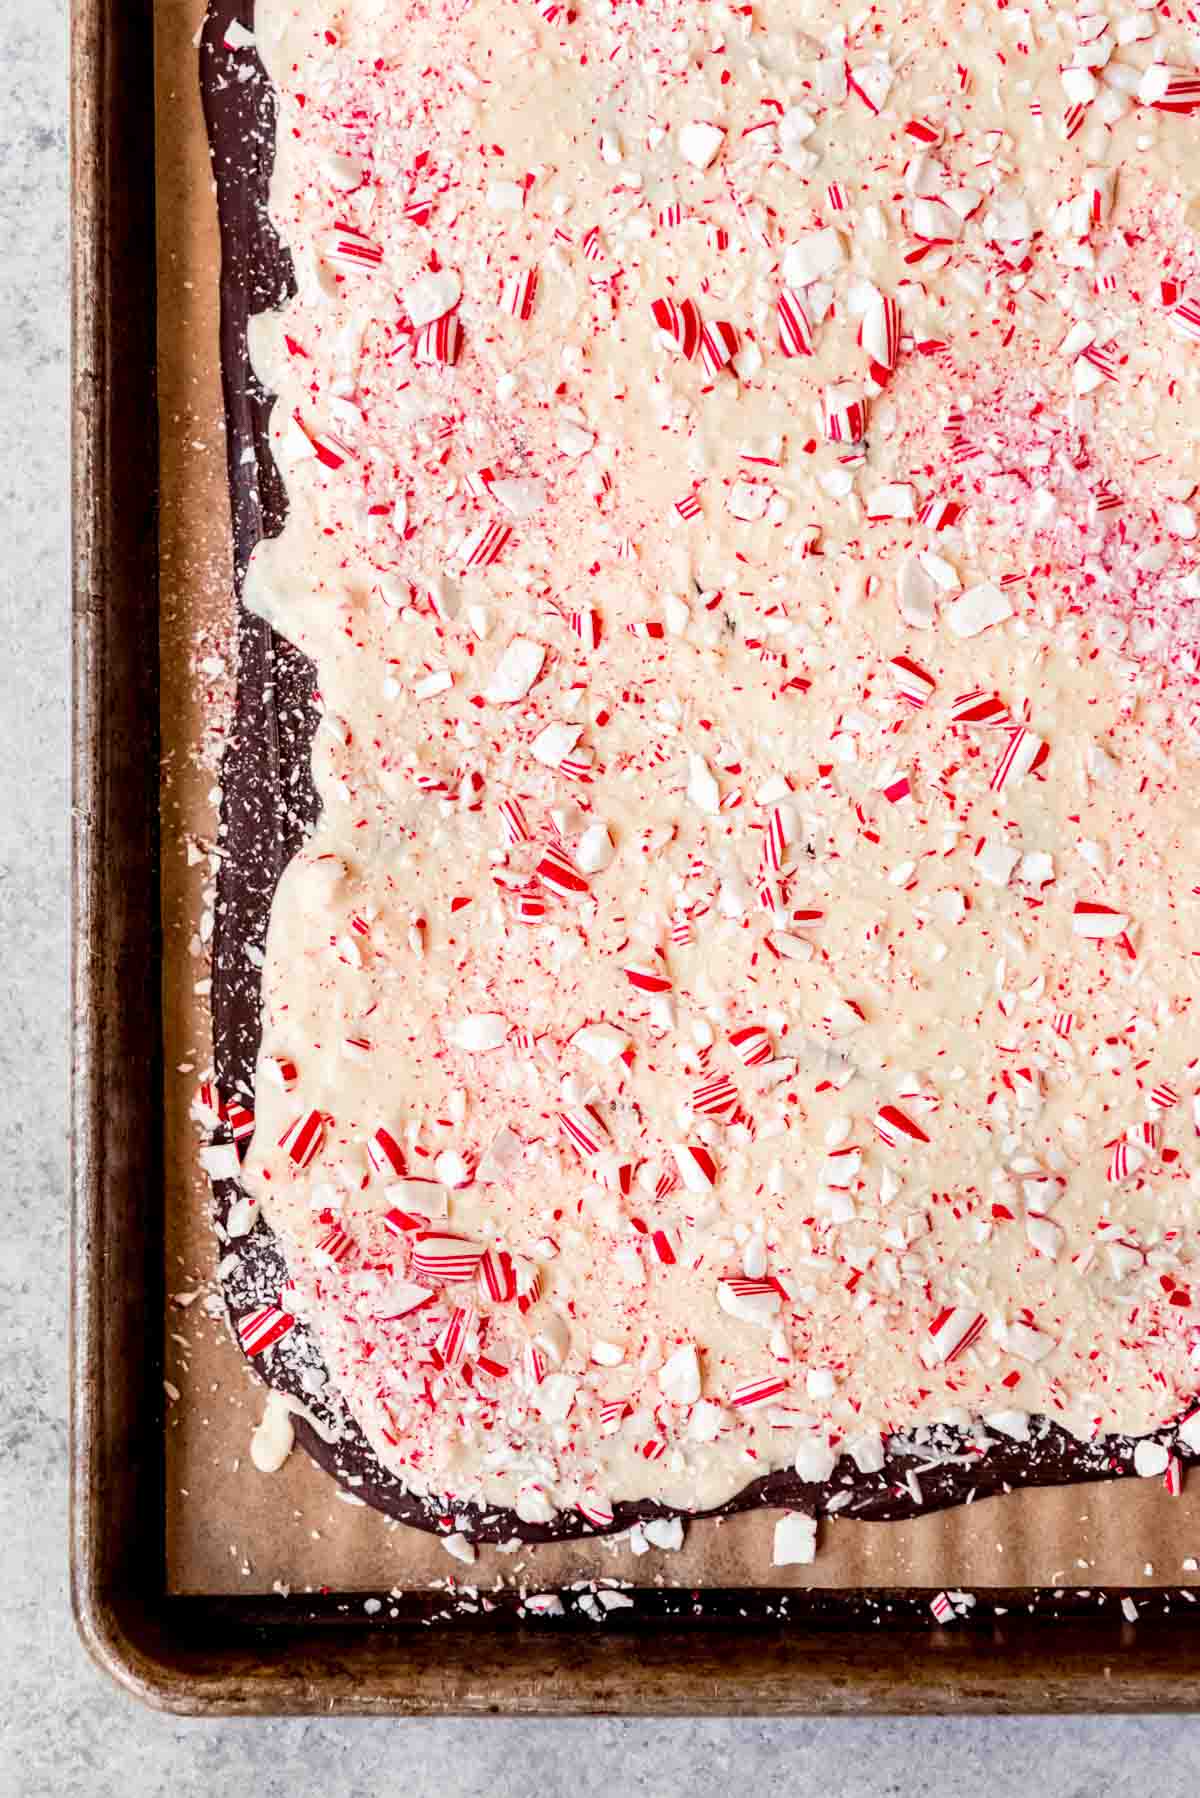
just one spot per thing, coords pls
(848, 1652)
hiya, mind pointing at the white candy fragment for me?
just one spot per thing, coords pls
(699, 143)
(603, 1042)
(534, 1505)
(459, 1547)
(814, 1459)
(1189, 1432)
(553, 1399)
(431, 296)
(812, 257)
(515, 672)
(594, 850)
(915, 594)
(977, 610)
(795, 1541)
(273, 1439)
(665, 1533)
(552, 745)
(995, 862)
(679, 1376)
(702, 790)
(866, 1451)
(522, 496)
(1029, 1343)
(481, 1031)
(1150, 1460)
(1009, 1423)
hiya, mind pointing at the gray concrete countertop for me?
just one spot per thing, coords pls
(63, 1728)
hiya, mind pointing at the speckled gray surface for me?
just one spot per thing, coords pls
(63, 1728)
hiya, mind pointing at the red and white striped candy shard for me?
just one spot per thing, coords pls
(208, 1106)
(330, 451)
(1185, 318)
(535, 1364)
(240, 1120)
(681, 931)
(451, 1344)
(584, 1129)
(349, 248)
(485, 545)
(1146, 1135)
(697, 1166)
(531, 906)
(718, 346)
(1073, 118)
(384, 1151)
(518, 293)
(980, 708)
(450, 1259)
(439, 342)
(837, 197)
(303, 1138)
(915, 686)
(665, 1247)
(516, 825)
(940, 514)
(953, 1331)
(647, 979)
(595, 1509)
(689, 505)
(592, 244)
(280, 1072)
(496, 1277)
(1062, 1023)
(753, 1393)
(666, 1184)
(1126, 1159)
(404, 1223)
(680, 321)
(1023, 753)
(924, 131)
(751, 1045)
(843, 414)
(1173, 1477)
(264, 1327)
(880, 336)
(795, 326)
(942, 1608)
(338, 1246)
(529, 1287)
(1178, 92)
(613, 1412)
(778, 837)
(761, 1296)
(1099, 922)
(417, 212)
(559, 873)
(1164, 1096)
(894, 1124)
(587, 627)
(1098, 186)
(716, 1097)
(402, 1298)
(897, 791)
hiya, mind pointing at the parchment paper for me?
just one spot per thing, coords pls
(229, 1527)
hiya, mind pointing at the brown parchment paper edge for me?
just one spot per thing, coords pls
(230, 1529)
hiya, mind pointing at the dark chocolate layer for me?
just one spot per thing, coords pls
(268, 806)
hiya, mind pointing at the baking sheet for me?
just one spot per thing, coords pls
(230, 1529)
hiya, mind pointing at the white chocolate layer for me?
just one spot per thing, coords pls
(1008, 507)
